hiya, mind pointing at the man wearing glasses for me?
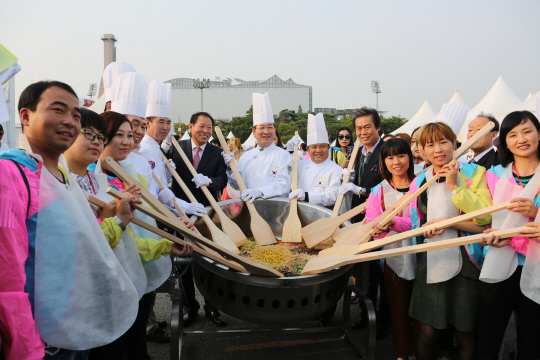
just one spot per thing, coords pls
(266, 169)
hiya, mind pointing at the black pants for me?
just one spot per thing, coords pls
(496, 303)
(375, 281)
(189, 289)
(136, 335)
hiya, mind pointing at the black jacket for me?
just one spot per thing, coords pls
(369, 179)
(211, 165)
(489, 160)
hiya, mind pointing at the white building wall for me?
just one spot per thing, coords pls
(226, 102)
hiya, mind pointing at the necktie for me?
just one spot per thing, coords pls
(196, 158)
(363, 160)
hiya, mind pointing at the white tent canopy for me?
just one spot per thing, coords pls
(528, 96)
(250, 142)
(186, 136)
(99, 105)
(500, 98)
(230, 136)
(424, 115)
(529, 104)
(333, 143)
(455, 99)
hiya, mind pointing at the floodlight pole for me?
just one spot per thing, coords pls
(201, 84)
(375, 88)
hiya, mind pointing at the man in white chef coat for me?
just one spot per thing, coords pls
(266, 170)
(158, 127)
(320, 177)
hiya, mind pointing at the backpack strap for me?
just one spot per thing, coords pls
(25, 182)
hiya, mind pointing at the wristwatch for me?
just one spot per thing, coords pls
(119, 222)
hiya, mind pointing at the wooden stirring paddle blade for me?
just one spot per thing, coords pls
(292, 226)
(229, 227)
(262, 233)
(199, 240)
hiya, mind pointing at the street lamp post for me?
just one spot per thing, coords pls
(375, 88)
(201, 84)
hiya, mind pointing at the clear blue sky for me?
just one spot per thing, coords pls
(416, 49)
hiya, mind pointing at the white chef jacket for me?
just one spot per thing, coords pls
(320, 181)
(151, 153)
(267, 169)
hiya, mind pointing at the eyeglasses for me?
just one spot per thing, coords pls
(341, 137)
(265, 128)
(90, 135)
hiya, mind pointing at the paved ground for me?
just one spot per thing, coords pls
(270, 346)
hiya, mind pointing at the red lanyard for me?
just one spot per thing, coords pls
(393, 184)
(517, 173)
(91, 184)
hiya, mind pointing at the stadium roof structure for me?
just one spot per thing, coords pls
(424, 115)
(274, 81)
(529, 104)
(500, 98)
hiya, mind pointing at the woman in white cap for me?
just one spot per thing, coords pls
(320, 177)
(266, 170)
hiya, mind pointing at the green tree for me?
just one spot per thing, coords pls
(392, 123)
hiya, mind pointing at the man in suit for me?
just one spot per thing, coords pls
(484, 154)
(367, 123)
(212, 172)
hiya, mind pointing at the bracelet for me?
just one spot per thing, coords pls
(456, 190)
(120, 223)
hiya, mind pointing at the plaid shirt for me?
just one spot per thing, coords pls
(88, 183)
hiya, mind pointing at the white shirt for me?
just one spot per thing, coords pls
(478, 157)
(151, 152)
(365, 152)
(193, 146)
(320, 181)
(267, 169)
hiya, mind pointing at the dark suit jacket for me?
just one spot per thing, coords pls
(211, 165)
(490, 159)
(370, 178)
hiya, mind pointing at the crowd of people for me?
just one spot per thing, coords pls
(78, 280)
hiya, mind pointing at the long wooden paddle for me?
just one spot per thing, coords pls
(229, 227)
(346, 178)
(292, 226)
(259, 228)
(250, 266)
(322, 229)
(126, 178)
(360, 235)
(218, 236)
(326, 263)
(209, 254)
(375, 244)
(341, 232)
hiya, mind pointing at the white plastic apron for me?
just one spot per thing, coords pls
(442, 264)
(405, 265)
(126, 251)
(83, 297)
(157, 271)
(500, 263)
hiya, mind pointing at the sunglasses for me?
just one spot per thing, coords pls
(341, 137)
(90, 135)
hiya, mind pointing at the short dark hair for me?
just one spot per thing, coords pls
(90, 119)
(492, 119)
(113, 121)
(509, 122)
(31, 96)
(388, 136)
(365, 111)
(215, 141)
(393, 147)
(195, 116)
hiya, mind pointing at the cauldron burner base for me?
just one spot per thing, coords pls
(364, 351)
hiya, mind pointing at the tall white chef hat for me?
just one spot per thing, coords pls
(129, 93)
(316, 130)
(159, 100)
(111, 72)
(262, 109)
(453, 115)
